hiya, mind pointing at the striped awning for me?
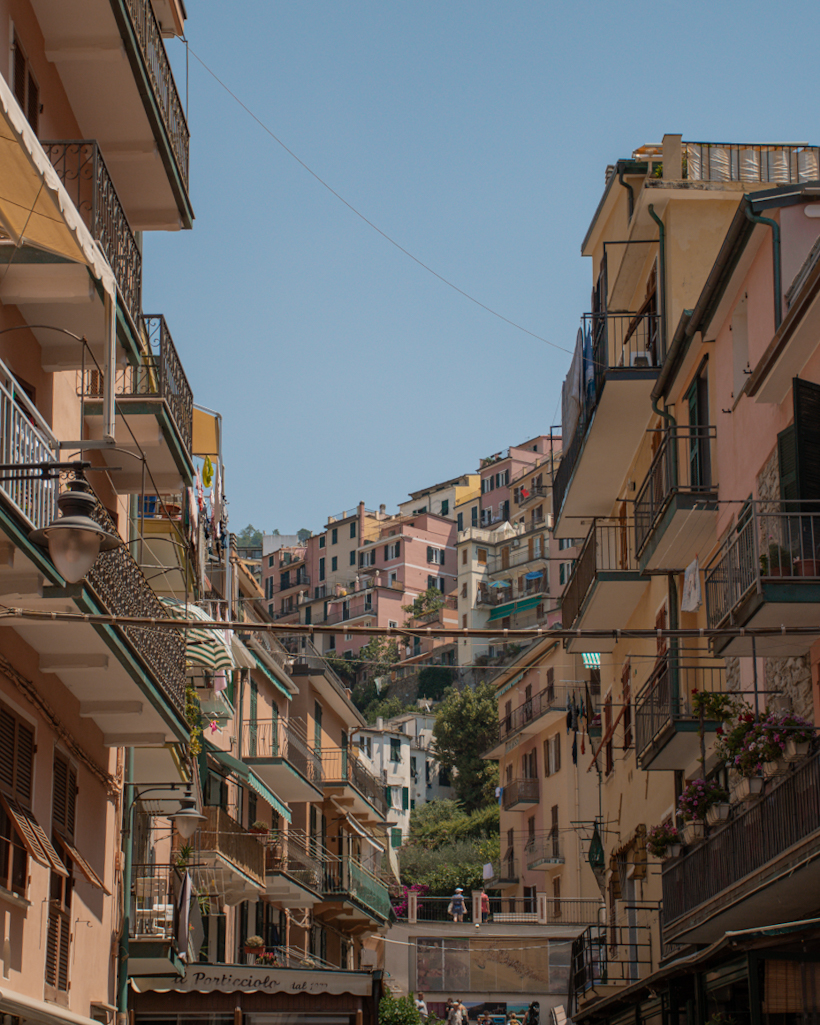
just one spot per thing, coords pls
(206, 648)
(245, 775)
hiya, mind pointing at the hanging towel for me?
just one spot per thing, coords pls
(575, 750)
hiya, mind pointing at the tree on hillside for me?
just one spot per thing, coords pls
(303, 534)
(466, 725)
(250, 537)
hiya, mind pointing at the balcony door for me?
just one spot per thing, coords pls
(700, 468)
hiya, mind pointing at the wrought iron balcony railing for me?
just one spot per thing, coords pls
(666, 699)
(160, 375)
(222, 835)
(297, 580)
(608, 955)
(149, 36)
(682, 465)
(120, 585)
(341, 765)
(291, 854)
(520, 791)
(608, 548)
(775, 541)
(349, 878)
(154, 900)
(343, 610)
(756, 837)
(518, 553)
(550, 699)
(81, 168)
(25, 437)
(544, 850)
(278, 738)
(750, 162)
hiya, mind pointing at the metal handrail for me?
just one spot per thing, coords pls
(279, 738)
(343, 765)
(519, 790)
(750, 161)
(221, 834)
(353, 611)
(544, 849)
(608, 547)
(351, 878)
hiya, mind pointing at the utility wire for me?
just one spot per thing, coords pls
(362, 217)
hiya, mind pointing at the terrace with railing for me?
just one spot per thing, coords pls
(545, 850)
(295, 855)
(347, 877)
(550, 699)
(152, 48)
(342, 766)
(607, 549)
(222, 838)
(520, 792)
(281, 738)
(750, 162)
(343, 609)
(80, 166)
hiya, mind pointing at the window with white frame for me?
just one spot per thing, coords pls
(367, 558)
(435, 555)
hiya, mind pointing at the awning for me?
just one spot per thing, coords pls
(536, 573)
(511, 607)
(29, 1009)
(591, 660)
(260, 665)
(35, 207)
(357, 828)
(205, 434)
(206, 648)
(249, 778)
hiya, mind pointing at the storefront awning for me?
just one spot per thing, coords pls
(30, 1010)
(35, 208)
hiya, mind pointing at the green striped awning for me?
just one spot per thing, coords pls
(264, 791)
(204, 647)
(519, 605)
(248, 777)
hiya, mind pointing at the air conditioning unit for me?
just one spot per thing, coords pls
(641, 358)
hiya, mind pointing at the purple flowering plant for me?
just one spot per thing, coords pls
(765, 741)
(660, 838)
(697, 798)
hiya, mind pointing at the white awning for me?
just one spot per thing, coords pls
(357, 827)
(35, 208)
(39, 1011)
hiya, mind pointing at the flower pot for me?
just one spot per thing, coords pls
(694, 832)
(807, 567)
(748, 788)
(796, 749)
(255, 950)
(718, 813)
(672, 851)
(774, 768)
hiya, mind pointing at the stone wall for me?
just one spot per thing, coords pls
(792, 678)
(732, 673)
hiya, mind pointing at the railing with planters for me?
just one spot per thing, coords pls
(776, 541)
(149, 36)
(25, 437)
(120, 585)
(682, 465)
(279, 738)
(788, 813)
(669, 696)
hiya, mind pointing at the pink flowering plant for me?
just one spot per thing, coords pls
(698, 797)
(765, 741)
(660, 838)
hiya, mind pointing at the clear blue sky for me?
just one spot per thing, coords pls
(477, 135)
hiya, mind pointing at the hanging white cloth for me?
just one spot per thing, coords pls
(692, 599)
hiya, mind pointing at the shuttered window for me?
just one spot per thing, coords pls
(65, 797)
(16, 756)
(26, 89)
(798, 446)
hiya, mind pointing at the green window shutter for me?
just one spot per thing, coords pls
(445, 507)
(441, 557)
(353, 529)
(405, 799)
(460, 521)
(474, 516)
(395, 838)
(429, 553)
(387, 797)
(334, 563)
(321, 569)
(308, 616)
(353, 558)
(787, 458)
(386, 556)
(807, 439)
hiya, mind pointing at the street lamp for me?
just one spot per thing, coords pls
(73, 539)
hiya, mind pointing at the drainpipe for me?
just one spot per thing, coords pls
(674, 643)
(655, 408)
(128, 850)
(757, 219)
(631, 197)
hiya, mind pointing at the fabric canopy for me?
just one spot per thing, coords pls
(206, 648)
(510, 607)
(35, 208)
(264, 791)
(249, 778)
(534, 575)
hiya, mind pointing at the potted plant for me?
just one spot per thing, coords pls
(798, 737)
(260, 827)
(269, 958)
(776, 562)
(698, 796)
(254, 945)
(663, 841)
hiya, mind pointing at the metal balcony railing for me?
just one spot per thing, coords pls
(81, 168)
(519, 553)
(550, 699)
(25, 437)
(682, 465)
(343, 610)
(608, 955)
(290, 853)
(533, 492)
(160, 375)
(278, 738)
(149, 37)
(222, 835)
(667, 696)
(520, 791)
(750, 162)
(775, 540)
(544, 850)
(787, 814)
(609, 547)
(297, 580)
(348, 877)
(120, 585)
(341, 765)
(563, 475)
(155, 896)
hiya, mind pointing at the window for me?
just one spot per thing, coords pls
(474, 515)
(308, 615)
(395, 837)
(392, 551)
(284, 580)
(352, 559)
(321, 569)
(550, 688)
(565, 542)
(464, 590)
(322, 541)
(271, 610)
(443, 776)
(334, 535)
(552, 755)
(368, 558)
(393, 623)
(481, 554)
(435, 555)
(405, 799)
(334, 564)
(26, 89)
(348, 637)
(437, 582)
(16, 756)
(353, 529)
(460, 521)
(445, 507)
(392, 578)
(331, 643)
(317, 726)
(627, 697)
(395, 750)
(464, 620)
(610, 763)
(418, 512)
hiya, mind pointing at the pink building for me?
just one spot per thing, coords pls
(500, 470)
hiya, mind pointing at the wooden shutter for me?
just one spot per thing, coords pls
(19, 75)
(546, 757)
(557, 751)
(57, 950)
(8, 725)
(65, 797)
(429, 553)
(807, 425)
(787, 459)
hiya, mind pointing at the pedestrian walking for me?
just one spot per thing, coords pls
(421, 1006)
(485, 906)
(456, 905)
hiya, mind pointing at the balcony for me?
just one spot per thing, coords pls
(750, 162)
(299, 579)
(343, 610)
(506, 872)
(518, 552)
(605, 585)
(345, 773)
(627, 353)
(82, 170)
(349, 879)
(767, 574)
(155, 408)
(676, 507)
(226, 860)
(278, 751)
(520, 794)
(666, 726)
(534, 493)
(545, 852)
(154, 923)
(605, 956)
(293, 869)
(762, 868)
(530, 717)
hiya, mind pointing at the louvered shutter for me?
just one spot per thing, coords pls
(807, 439)
(441, 557)
(24, 763)
(386, 553)
(787, 459)
(19, 75)
(7, 732)
(429, 553)
(60, 797)
(58, 951)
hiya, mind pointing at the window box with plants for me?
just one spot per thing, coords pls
(694, 804)
(254, 945)
(260, 828)
(663, 841)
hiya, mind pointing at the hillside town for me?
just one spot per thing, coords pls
(537, 744)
